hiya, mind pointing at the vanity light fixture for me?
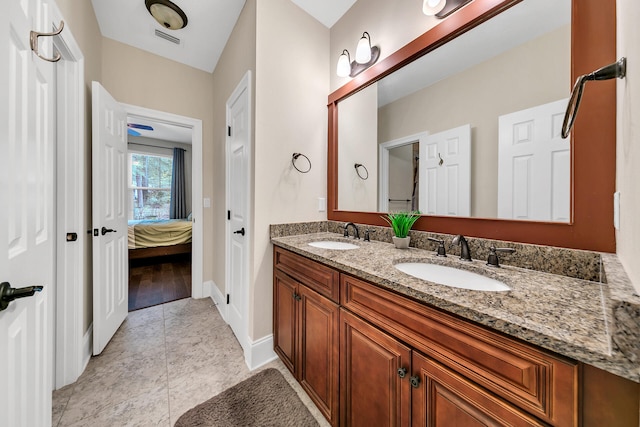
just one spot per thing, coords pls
(344, 64)
(168, 14)
(366, 56)
(442, 8)
(363, 51)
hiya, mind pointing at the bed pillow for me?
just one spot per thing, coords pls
(189, 216)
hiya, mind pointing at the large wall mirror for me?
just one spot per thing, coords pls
(464, 122)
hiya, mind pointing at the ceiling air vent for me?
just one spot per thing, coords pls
(167, 37)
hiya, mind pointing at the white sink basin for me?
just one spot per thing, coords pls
(330, 244)
(450, 276)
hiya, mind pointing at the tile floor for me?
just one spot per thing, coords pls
(162, 361)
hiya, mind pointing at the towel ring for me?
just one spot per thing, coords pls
(357, 166)
(617, 70)
(293, 162)
(33, 39)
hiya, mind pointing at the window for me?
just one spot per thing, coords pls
(150, 186)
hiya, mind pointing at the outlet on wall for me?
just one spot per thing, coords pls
(322, 204)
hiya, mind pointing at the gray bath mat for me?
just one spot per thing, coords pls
(265, 399)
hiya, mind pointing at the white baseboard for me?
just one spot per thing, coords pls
(87, 347)
(217, 297)
(259, 352)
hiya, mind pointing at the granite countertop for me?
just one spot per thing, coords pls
(566, 315)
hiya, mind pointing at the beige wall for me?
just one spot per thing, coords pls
(81, 21)
(628, 149)
(292, 84)
(136, 77)
(238, 57)
(532, 74)
(358, 136)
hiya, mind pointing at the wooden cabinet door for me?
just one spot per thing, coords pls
(371, 391)
(444, 399)
(319, 347)
(284, 319)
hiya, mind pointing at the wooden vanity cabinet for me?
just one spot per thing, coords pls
(372, 393)
(305, 325)
(470, 373)
(356, 349)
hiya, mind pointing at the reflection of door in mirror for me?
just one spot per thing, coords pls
(534, 166)
(517, 60)
(445, 174)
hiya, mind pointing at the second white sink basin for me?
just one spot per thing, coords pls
(450, 276)
(330, 244)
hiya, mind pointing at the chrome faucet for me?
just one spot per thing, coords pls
(465, 254)
(356, 233)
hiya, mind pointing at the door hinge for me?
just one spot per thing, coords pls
(228, 130)
(227, 298)
(229, 215)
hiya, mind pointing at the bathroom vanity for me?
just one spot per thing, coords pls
(374, 346)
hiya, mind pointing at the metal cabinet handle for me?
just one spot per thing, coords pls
(415, 381)
(106, 230)
(240, 232)
(402, 372)
(8, 294)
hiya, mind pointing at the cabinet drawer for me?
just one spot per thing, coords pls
(538, 382)
(318, 277)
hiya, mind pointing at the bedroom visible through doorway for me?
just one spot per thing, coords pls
(159, 212)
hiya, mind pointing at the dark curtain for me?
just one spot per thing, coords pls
(178, 207)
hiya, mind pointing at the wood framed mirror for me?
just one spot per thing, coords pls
(593, 139)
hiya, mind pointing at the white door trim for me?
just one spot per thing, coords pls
(383, 163)
(197, 274)
(70, 184)
(243, 86)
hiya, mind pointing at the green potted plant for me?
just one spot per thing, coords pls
(401, 222)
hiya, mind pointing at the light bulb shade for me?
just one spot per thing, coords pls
(432, 7)
(167, 14)
(344, 64)
(363, 51)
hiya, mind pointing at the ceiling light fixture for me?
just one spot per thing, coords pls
(167, 14)
(442, 8)
(366, 56)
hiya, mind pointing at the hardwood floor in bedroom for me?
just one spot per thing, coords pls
(154, 281)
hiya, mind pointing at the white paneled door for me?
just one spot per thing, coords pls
(238, 146)
(110, 250)
(534, 165)
(27, 214)
(445, 173)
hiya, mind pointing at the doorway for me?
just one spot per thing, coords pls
(136, 114)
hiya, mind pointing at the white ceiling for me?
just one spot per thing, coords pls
(202, 41)
(210, 23)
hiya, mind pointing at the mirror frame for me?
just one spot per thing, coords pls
(593, 157)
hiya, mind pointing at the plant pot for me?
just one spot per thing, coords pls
(401, 242)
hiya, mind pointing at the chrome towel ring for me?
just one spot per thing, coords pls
(293, 162)
(357, 166)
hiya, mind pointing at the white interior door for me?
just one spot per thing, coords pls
(445, 173)
(27, 217)
(238, 151)
(110, 256)
(534, 165)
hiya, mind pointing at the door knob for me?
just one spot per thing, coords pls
(8, 294)
(106, 230)
(241, 231)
